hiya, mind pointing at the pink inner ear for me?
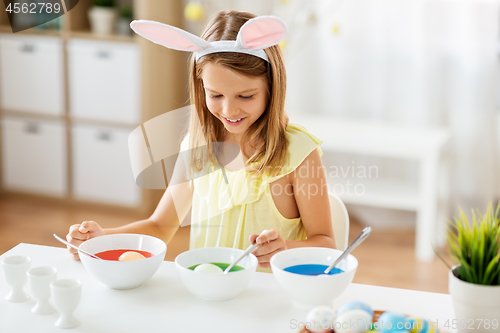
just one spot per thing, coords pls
(166, 36)
(263, 32)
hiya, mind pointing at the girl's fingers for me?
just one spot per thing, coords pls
(75, 242)
(264, 265)
(72, 250)
(266, 258)
(270, 243)
(90, 227)
(74, 237)
(74, 253)
(75, 233)
(252, 238)
(269, 248)
(267, 236)
(78, 233)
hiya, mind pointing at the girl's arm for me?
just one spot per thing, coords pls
(163, 223)
(167, 217)
(311, 196)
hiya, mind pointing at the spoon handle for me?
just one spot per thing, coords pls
(361, 237)
(247, 251)
(76, 247)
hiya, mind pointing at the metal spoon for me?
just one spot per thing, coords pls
(361, 237)
(247, 251)
(76, 248)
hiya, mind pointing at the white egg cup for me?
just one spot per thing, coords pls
(66, 296)
(14, 270)
(39, 279)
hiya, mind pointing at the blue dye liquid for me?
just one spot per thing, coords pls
(312, 269)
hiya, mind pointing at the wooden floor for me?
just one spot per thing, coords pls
(386, 258)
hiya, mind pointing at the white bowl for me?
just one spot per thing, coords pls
(123, 274)
(215, 287)
(308, 291)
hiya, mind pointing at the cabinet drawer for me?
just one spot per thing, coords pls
(31, 74)
(101, 165)
(104, 80)
(34, 156)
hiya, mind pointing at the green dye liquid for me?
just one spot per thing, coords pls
(223, 266)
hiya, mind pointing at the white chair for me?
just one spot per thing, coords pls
(340, 221)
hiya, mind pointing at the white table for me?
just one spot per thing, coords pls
(163, 304)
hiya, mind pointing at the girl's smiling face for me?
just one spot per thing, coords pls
(236, 100)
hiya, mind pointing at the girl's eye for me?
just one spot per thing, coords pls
(246, 97)
(215, 96)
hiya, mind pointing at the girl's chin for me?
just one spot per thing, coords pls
(233, 130)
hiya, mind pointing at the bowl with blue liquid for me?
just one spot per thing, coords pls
(299, 272)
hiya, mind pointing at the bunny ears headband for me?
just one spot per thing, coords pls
(254, 36)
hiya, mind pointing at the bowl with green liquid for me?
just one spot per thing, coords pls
(215, 286)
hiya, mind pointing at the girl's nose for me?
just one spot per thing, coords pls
(230, 109)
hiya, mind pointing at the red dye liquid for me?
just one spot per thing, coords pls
(115, 254)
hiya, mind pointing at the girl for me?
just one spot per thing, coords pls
(279, 197)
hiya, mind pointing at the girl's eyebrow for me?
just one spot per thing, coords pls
(242, 92)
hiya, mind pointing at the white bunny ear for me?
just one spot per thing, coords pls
(169, 36)
(261, 32)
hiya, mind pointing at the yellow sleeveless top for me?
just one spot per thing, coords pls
(225, 215)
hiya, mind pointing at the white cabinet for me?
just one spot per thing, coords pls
(31, 74)
(104, 81)
(101, 165)
(34, 156)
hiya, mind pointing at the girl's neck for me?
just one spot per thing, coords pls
(245, 147)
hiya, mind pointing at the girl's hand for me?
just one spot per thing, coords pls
(270, 242)
(78, 233)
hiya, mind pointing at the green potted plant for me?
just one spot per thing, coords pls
(125, 17)
(102, 16)
(474, 282)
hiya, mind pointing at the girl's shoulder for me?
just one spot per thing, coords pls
(301, 142)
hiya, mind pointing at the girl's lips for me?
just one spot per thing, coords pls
(233, 123)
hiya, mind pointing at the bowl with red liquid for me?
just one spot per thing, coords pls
(129, 259)
(300, 272)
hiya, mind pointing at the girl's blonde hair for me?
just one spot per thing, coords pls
(269, 128)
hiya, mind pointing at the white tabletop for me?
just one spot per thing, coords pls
(163, 304)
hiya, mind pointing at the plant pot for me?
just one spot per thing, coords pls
(474, 305)
(102, 20)
(123, 27)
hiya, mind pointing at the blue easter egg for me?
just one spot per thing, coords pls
(355, 305)
(389, 322)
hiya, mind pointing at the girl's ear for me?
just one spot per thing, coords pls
(261, 32)
(169, 36)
